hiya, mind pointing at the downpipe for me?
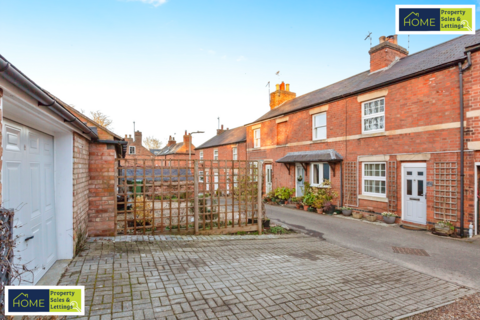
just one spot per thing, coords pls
(462, 144)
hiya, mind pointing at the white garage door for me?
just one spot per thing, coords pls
(28, 185)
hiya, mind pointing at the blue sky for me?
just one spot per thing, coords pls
(177, 65)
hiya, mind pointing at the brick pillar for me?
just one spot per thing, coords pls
(101, 213)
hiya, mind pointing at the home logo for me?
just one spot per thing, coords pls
(430, 19)
(42, 300)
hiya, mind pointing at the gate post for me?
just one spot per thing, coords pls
(195, 199)
(260, 190)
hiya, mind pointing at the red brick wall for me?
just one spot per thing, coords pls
(80, 183)
(101, 213)
(428, 100)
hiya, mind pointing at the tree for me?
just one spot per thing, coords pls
(101, 118)
(152, 143)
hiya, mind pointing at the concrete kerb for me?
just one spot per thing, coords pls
(423, 311)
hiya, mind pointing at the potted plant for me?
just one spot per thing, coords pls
(389, 217)
(284, 194)
(357, 215)
(308, 200)
(444, 227)
(346, 211)
(297, 201)
(266, 223)
(318, 204)
(372, 217)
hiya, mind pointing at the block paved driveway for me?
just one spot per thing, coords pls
(246, 277)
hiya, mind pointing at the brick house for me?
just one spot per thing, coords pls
(57, 171)
(229, 144)
(388, 139)
(135, 148)
(177, 150)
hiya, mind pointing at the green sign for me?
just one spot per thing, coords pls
(429, 19)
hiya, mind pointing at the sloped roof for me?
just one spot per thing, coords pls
(178, 148)
(235, 135)
(444, 54)
(329, 155)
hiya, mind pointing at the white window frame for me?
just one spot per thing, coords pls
(374, 178)
(256, 138)
(200, 176)
(201, 155)
(215, 154)
(234, 153)
(320, 176)
(130, 150)
(374, 115)
(313, 126)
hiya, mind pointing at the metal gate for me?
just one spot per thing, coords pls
(174, 196)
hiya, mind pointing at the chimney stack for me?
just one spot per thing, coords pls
(386, 52)
(171, 141)
(187, 139)
(138, 136)
(281, 95)
(220, 131)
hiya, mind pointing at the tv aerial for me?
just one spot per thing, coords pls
(369, 36)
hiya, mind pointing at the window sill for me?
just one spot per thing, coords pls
(319, 140)
(372, 134)
(320, 186)
(372, 198)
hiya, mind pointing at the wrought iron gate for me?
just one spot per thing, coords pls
(174, 196)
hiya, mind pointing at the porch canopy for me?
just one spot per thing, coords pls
(330, 155)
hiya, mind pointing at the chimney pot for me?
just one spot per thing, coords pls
(287, 87)
(282, 86)
(277, 87)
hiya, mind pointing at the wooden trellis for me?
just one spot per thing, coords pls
(350, 183)
(445, 190)
(392, 186)
(173, 196)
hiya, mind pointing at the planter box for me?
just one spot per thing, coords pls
(357, 215)
(371, 217)
(443, 229)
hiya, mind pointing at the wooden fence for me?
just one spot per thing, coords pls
(162, 196)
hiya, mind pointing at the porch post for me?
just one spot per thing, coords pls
(259, 205)
(195, 184)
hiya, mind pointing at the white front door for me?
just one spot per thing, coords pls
(300, 180)
(414, 194)
(28, 186)
(268, 178)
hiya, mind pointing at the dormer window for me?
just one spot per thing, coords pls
(373, 116)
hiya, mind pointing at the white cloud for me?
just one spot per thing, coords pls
(154, 3)
(241, 58)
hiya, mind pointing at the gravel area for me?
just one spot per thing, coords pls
(465, 308)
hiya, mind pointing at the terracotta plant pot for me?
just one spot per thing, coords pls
(320, 210)
(389, 220)
(347, 212)
(298, 205)
(305, 207)
(357, 215)
(371, 217)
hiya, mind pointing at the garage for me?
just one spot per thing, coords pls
(29, 188)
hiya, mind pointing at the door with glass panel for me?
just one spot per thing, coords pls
(299, 177)
(414, 194)
(268, 177)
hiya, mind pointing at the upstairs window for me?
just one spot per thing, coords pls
(320, 172)
(201, 155)
(256, 138)
(373, 116)
(215, 154)
(374, 179)
(234, 153)
(131, 150)
(319, 126)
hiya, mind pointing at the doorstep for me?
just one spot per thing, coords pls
(53, 275)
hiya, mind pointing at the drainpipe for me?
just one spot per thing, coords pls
(462, 144)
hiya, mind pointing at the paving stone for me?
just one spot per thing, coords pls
(246, 277)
